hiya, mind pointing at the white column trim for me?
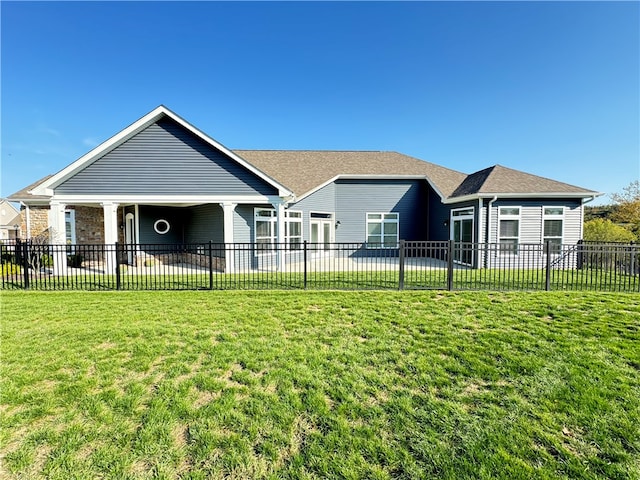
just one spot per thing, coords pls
(110, 212)
(229, 255)
(57, 237)
(280, 225)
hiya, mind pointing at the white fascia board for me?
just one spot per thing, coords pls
(368, 177)
(467, 198)
(46, 188)
(162, 199)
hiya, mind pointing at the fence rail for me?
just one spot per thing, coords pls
(444, 265)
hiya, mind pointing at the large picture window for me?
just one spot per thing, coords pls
(509, 229)
(266, 228)
(553, 218)
(383, 230)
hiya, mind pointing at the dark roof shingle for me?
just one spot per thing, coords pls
(304, 170)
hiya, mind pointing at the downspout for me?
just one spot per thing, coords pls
(583, 201)
(488, 235)
(488, 228)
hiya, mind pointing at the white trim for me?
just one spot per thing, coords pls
(561, 217)
(468, 216)
(28, 219)
(72, 221)
(136, 212)
(184, 200)
(276, 236)
(157, 230)
(508, 216)
(586, 194)
(47, 187)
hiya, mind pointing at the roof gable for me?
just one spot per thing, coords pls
(157, 115)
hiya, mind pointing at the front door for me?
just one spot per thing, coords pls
(462, 235)
(130, 236)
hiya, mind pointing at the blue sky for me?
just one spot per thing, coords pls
(550, 88)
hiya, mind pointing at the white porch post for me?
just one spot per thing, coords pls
(57, 237)
(280, 222)
(110, 211)
(229, 254)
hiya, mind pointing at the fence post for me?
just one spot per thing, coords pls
(580, 260)
(401, 254)
(210, 255)
(450, 265)
(25, 263)
(547, 276)
(304, 256)
(116, 246)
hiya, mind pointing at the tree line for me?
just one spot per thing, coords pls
(617, 222)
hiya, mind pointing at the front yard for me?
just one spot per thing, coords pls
(250, 384)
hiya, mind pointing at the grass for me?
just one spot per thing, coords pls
(320, 385)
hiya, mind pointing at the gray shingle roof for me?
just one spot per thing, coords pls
(25, 195)
(499, 179)
(304, 170)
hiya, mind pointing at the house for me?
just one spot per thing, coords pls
(9, 220)
(163, 181)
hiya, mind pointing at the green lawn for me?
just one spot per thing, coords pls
(253, 384)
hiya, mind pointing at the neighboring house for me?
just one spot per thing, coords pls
(161, 181)
(9, 221)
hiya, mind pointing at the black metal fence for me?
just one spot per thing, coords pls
(444, 265)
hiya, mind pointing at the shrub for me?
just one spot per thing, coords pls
(600, 230)
(75, 261)
(10, 269)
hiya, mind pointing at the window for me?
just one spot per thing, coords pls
(161, 226)
(70, 226)
(509, 229)
(382, 230)
(553, 218)
(293, 229)
(266, 228)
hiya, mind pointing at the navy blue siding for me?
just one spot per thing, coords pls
(177, 218)
(438, 215)
(165, 159)
(356, 198)
(206, 224)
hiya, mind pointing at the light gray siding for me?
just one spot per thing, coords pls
(322, 201)
(243, 223)
(165, 159)
(531, 219)
(356, 198)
